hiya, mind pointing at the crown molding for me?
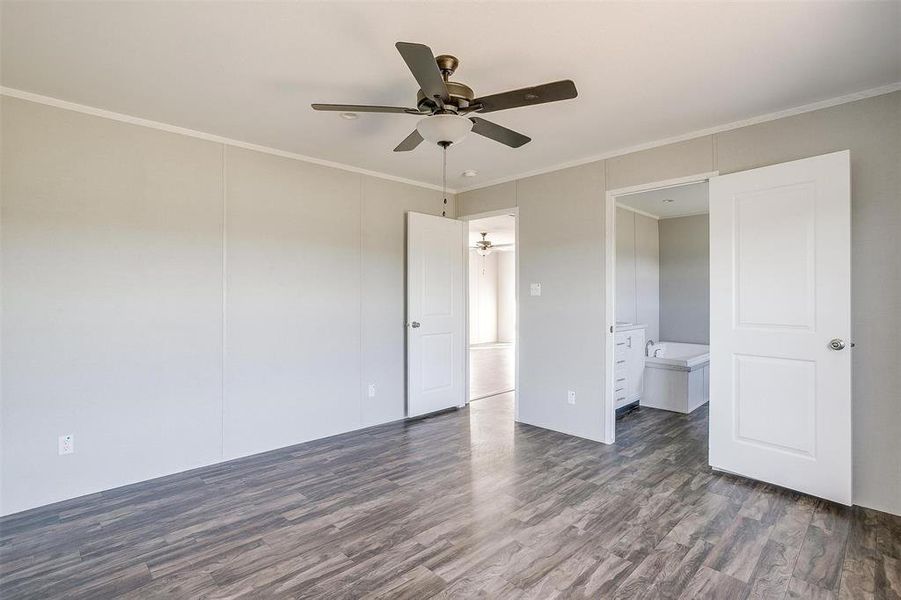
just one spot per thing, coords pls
(789, 112)
(132, 120)
(107, 114)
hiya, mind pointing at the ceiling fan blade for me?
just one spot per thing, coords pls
(366, 108)
(410, 142)
(421, 61)
(497, 133)
(549, 92)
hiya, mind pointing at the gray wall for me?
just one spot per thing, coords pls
(561, 333)
(117, 282)
(870, 128)
(685, 279)
(174, 302)
(637, 270)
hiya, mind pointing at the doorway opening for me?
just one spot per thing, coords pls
(491, 316)
(660, 357)
(778, 374)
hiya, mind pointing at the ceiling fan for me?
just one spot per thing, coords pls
(446, 105)
(484, 246)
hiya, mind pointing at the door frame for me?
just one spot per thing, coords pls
(610, 283)
(473, 217)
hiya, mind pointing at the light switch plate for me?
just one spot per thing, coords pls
(66, 444)
(535, 289)
(571, 397)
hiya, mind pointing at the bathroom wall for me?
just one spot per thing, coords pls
(685, 279)
(637, 270)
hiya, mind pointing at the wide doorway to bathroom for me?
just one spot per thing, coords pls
(492, 305)
(728, 304)
(662, 300)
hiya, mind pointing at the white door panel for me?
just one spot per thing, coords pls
(780, 396)
(435, 314)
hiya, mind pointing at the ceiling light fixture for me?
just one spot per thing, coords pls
(349, 116)
(668, 201)
(469, 173)
(444, 129)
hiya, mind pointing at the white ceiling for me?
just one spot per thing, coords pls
(645, 71)
(501, 229)
(686, 200)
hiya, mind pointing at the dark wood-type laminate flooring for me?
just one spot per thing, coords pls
(460, 505)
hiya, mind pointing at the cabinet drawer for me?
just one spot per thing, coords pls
(620, 384)
(624, 340)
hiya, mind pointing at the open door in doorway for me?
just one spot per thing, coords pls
(436, 339)
(780, 307)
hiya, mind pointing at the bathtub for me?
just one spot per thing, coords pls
(678, 378)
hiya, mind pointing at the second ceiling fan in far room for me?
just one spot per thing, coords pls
(449, 107)
(484, 246)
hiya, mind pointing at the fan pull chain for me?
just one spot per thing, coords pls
(444, 182)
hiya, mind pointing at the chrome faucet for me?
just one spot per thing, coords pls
(647, 347)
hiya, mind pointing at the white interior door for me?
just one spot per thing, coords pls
(780, 325)
(436, 351)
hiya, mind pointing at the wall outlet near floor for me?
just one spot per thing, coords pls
(66, 444)
(372, 390)
(571, 397)
(534, 289)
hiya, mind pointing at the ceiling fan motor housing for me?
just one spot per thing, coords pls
(461, 96)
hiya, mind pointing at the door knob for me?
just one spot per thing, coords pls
(837, 344)
(414, 324)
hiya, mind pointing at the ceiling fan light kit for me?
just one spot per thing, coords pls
(444, 129)
(446, 104)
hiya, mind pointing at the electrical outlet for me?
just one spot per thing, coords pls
(534, 289)
(372, 390)
(66, 444)
(571, 397)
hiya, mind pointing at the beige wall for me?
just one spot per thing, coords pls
(173, 302)
(870, 129)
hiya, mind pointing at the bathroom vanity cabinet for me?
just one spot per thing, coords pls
(628, 364)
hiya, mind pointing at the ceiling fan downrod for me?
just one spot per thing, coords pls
(444, 146)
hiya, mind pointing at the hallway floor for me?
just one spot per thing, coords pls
(491, 370)
(464, 504)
